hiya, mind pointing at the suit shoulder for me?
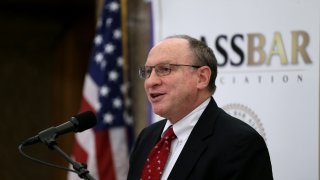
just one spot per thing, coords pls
(234, 125)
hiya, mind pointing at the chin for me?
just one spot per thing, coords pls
(159, 111)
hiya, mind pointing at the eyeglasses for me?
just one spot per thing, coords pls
(161, 69)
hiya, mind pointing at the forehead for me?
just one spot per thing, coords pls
(174, 50)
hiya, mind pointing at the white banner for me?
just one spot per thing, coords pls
(268, 75)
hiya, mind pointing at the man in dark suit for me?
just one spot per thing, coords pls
(180, 74)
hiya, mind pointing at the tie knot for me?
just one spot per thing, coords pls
(169, 134)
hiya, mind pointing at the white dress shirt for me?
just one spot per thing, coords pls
(182, 130)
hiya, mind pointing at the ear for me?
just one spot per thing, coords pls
(204, 74)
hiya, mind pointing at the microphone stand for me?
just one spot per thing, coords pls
(48, 138)
(78, 167)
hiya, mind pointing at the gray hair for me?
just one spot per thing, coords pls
(204, 55)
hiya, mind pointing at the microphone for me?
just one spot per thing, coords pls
(77, 123)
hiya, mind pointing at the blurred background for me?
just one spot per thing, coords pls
(44, 53)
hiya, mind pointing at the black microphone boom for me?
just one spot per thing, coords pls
(77, 123)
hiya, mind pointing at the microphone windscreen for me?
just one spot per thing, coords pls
(85, 120)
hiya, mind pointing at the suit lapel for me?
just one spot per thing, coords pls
(152, 139)
(196, 143)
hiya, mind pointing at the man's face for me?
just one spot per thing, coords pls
(172, 96)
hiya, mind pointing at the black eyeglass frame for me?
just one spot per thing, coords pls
(143, 69)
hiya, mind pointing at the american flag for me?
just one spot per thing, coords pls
(105, 148)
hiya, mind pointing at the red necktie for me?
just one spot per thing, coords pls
(158, 156)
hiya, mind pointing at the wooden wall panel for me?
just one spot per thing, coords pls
(44, 52)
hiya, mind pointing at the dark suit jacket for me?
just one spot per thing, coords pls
(220, 147)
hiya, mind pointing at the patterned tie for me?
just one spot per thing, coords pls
(158, 156)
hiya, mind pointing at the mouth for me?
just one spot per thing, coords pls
(155, 96)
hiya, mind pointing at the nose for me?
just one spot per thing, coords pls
(153, 80)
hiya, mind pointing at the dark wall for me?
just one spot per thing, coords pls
(44, 51)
